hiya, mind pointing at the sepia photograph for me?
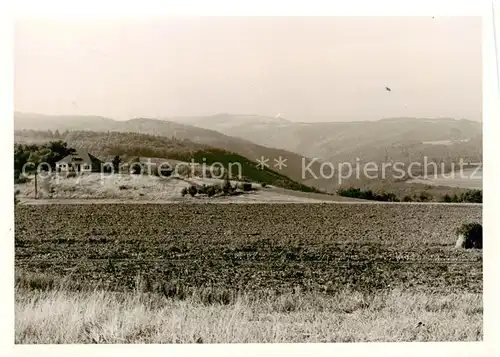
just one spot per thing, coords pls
(248, 179)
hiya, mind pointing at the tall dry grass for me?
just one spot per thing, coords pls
(55, 315)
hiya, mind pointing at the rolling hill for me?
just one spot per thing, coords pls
(170, 129)
(105, 145)
(398, 139)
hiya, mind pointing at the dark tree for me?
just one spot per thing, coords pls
(192, 190)
(116, 163)
(136, 166)
(56, 151)
(48, 153)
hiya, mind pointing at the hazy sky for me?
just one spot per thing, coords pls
(309, 69)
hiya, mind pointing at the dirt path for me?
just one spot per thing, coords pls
(223, 201)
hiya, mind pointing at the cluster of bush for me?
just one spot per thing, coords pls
(470, 196)
(49, 153)
(367, 195)
(211, 190)
(421, 197)
(470, 235)
(382, 196)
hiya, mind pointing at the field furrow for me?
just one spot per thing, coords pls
(316, 247)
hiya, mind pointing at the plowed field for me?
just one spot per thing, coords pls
(317, 247)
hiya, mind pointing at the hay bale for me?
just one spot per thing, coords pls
(469, 235)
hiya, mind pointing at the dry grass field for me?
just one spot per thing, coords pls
(245, 273)
(62, 316)
(147, 188)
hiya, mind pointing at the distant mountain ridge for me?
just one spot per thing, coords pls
(224, 119)
(368, 140)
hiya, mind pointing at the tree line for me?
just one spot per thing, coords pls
(48, 153)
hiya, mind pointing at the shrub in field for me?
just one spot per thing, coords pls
(470, 235)
(211, 191)
(470, 196)
(349, 192)
(425, 197)
(367, 195)
(473, 196)
(246, 186)
(387, 197)
(123, 187)
(202, 189)
(407, 198)
(447, 198)
(192, 190)
(226, 186)
(136, 166)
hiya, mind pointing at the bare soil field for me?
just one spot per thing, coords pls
(314, 247)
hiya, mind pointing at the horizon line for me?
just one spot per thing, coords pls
(279, 119)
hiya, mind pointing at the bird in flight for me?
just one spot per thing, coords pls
(388, 89)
